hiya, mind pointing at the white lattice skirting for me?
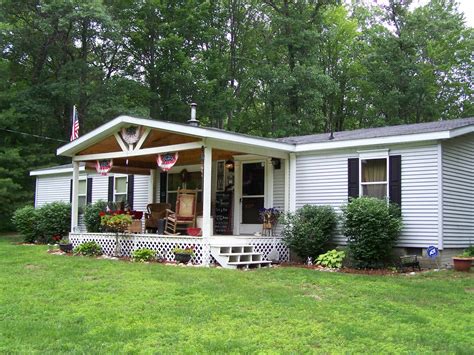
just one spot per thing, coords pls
(164, 245)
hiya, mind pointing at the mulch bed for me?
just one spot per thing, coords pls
(348, 270)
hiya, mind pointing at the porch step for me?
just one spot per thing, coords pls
(238, 257)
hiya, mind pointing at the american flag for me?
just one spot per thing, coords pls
(75, 124)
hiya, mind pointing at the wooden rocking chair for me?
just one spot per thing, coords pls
(185, 214)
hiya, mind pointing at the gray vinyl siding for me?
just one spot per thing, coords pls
(321, 179)
(458, 192)
(52, 188)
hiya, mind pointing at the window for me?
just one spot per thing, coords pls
(193, 182)
(120, 189)
(82, 193)
(374, 176)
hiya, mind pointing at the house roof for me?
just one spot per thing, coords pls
(430, 131)
(379, 132)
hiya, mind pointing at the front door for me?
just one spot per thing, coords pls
(253, 196)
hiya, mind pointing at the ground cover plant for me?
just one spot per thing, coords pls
(57, 304)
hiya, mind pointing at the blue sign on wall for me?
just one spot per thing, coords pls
(432, 251)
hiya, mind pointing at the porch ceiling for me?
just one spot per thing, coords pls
(142, 164)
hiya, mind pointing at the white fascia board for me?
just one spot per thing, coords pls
(121, 121)
(54, 171)
(409, 138)
(461, 131)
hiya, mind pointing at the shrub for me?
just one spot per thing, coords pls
(332, 259)
(88, 249)
(54, 219)
(308, 230)
(372, 228)
(24, 220)
(142, 255)
(92, 217)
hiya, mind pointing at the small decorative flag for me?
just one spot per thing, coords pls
(75, 124)
(103, 166)
(167, 160)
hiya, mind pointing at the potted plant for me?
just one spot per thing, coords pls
(463, 262)
(65, 245)
(183, 255)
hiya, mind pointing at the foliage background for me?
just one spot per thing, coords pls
(271, 68)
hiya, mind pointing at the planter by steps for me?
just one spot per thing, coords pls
(462, 263)
(66, 248)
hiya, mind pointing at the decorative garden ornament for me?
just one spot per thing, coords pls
(131, 135)
(103, 166)
(167, 160)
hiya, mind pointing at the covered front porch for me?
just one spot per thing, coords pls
(234, 175)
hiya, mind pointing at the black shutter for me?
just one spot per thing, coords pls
(89, 191)
(110, 197)
(353, 178)
(70, 192)
(395, 179)
(130, 187)
(163, 184)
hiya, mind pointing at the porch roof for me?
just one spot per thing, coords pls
(210, 134)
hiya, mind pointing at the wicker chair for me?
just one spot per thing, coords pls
(155, 212)
(185, 215)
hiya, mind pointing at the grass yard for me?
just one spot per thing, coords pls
(51, 303)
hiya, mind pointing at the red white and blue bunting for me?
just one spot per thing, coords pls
(103, 166)
(167, 160)
(131, 135)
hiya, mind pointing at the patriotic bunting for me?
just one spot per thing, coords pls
(167, 160)
(103, 166)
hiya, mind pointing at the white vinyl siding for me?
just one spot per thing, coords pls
(323, 180)
(140, 192)
(51, 188)
(100, 188)
(279, 191)
(279, 187)
(419, 195)
(458, 192)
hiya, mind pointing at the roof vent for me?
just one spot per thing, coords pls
(193, 121)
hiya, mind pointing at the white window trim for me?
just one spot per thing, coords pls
(115, 187)
(82, 195)
(370, 155)
(176, 170)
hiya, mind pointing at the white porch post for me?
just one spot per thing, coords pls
(292, 182)
(75, 198)
(151, 186)
(206, 193)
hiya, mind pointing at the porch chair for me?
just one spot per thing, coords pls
(185, 214)
(155, 212)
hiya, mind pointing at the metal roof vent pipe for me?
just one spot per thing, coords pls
(193, 121)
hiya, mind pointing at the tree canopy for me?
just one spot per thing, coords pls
(271, 68)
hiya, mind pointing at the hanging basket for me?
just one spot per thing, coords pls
(103, 166)
(131, 135)
(166, 161)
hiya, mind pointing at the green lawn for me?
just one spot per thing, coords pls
(51, 303)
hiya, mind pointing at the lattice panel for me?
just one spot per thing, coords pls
(162, 245)
(265, 246)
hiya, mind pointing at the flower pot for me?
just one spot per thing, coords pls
(67, 248)
(182, 258)
(462, 264)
